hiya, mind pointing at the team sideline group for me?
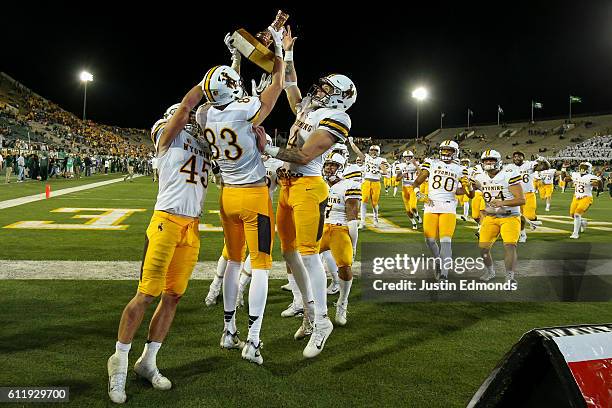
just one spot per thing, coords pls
(322, 204)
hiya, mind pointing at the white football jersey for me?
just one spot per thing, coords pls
(372, 166)
(582, 184)
(308, 120)
(353, 171)
(409, 173)
(526, 170)
(443, 179)
(233, 143)
(548, 176)
(497, 188)
(183, 173)
(335, 212)
(272, 165)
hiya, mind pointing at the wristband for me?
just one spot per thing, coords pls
(288, 55)
(289, 84)
(272, 150)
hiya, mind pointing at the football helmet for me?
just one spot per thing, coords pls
(222, 85)
(333, 158)
(449, 150)
(491, 155)
(407, 156)
(340, 148)
(585, 168)
(465, 162)
(171, 110)
(374, 149)
(334, 91)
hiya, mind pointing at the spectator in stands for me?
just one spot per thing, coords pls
(1, 162)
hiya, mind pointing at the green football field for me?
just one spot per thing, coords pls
(61, 332)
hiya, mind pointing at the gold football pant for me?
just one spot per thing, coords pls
(580, 205)
(409, 197)
(370, 192)
(171, 251)
(337, 239)
(509, 228)
(247, 217)
(546, 191)
(477, 204)
(529, 208)
(301, 213)
(439, 225)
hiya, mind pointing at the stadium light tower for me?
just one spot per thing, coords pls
(420, 94)
(85, 78)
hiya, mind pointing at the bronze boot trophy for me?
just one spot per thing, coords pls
(255, 48)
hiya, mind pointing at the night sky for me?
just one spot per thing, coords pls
(144, 58)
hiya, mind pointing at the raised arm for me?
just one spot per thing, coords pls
(356, 149)
(294, 96)
(236, 57)
(180, 118)
(270, 95)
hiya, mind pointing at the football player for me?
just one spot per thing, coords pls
(321, 121)
(503, 195)
(526, 169)
(374, 167)
(245, 205)
(548, 183)
(388, 176)
(172, 243)
(394, 169)
(406, 172)
(584, 180)
(340, 231)
(446, 179)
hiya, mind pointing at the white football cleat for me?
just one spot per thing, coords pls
(415, 227)
(152, 374)
(251, 353)
(292, 311)
(574, 236)
(304, 330)
(341, 311)
(487, 276)
(231, 341)
(320, 334)
(510, 277)
(286, 287)
(117, 375)
(333, 288)
(523, 237)
(583, 225)
(213, 293)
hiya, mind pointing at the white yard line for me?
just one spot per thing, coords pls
(39, 197)
(102, 270)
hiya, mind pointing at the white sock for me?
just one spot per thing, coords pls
(414, 221)
(221, 266)
(149, 354)
(318, 281)
(446, 253)
(244, 282)
(466, 209)
(330, 262)
(258, 293)
(297, 296)
(364, 208)
(416, 214)
(121, 351)
(548, 204)
(577, 222)
(247, 265)
(433, 247)
(230, 293)
(345, 289)
(302, 280)
(394, 191)
(376, 213)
